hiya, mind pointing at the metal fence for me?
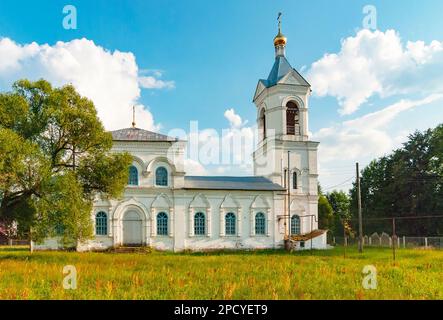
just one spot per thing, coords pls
(385, 240)
(14, 242)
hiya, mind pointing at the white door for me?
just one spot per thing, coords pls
(132, 229)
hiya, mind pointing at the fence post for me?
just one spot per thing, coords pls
(10, 242)
(370, 241)
(404, 242)
(333, 240)
(426, 242)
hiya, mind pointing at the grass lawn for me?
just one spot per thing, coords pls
(417, 274)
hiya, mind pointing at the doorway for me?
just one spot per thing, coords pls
(132, 229)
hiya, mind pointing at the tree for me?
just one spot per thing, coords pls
(55, 160)
(340, 203)
(408, 182)
(325, 212)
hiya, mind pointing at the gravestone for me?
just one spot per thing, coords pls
(385, 240)
(375, 239)
(366, 240)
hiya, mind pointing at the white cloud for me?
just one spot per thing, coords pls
(156, 72)
(377, 63)
(144, 119)
(381, 118)
(364, 139)
(12, 55)
(110, 79)
(234, 119)
(193, 167)
(150, 82)
(226, 152)
(366, 136)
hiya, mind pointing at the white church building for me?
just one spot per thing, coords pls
(166, 209)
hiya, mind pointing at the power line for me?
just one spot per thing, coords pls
(340, 184)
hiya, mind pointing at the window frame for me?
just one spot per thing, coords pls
(156, 179)
(164, 219)
(133, 173)
(101, 216)
(202, 223)
(263, 122)
(262, 227)
(59, 230)
(295, 180)
(292, 109)
(294, 226)
(232, 224)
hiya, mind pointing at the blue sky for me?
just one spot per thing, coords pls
(215, 51)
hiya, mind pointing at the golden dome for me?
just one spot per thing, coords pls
(280, 39)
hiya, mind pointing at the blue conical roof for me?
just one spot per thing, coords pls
(280, 68)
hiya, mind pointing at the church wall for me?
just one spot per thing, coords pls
(219, 202)
(164, 243)
(239, 203)
(148, 156)
(245, 204)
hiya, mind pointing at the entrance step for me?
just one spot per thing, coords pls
(127, 249)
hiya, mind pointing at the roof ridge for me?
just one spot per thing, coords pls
(141, 129)
(139, 134)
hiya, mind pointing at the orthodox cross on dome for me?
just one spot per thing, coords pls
(279, 40)
(133, 116)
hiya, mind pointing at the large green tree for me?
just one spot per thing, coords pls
(408, 182)
(55, 160)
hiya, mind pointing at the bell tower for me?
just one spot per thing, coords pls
(282, 102)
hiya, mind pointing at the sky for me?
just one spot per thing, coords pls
(194, 63)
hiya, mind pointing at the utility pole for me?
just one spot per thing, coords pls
(289, 195)
(360, 222)
(283, 183)
(285, 209)
(394, 238)
(345, 243)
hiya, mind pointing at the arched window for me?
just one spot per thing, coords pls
(295, 224)
(260, 224)
(101, 224)
(292, 119)
(294, 180)
(161, 176)
(162, 224)
(199, 224)
(263, 122)
(133, 176)
(230, 224)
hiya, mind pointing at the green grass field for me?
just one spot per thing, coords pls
(417, 274)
